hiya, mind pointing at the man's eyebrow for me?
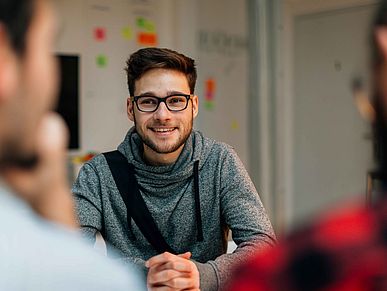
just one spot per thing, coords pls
(148, 93)
(169, 93)
(175, 93)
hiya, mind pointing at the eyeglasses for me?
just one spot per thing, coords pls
(174, 102)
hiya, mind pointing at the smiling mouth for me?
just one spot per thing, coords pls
(162, 130)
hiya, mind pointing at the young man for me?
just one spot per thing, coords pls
(345, 249)
(195, 188)
(39, 248)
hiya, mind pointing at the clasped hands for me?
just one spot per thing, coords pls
(169, 272)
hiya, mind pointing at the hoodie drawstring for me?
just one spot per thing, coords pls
(197, 202)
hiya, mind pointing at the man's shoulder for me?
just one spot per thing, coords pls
(97, 165)
(217, 153)
(97, 160)
(215, 146)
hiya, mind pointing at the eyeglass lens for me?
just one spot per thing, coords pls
(150, 103)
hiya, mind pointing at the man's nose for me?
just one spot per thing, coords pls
(162, 112)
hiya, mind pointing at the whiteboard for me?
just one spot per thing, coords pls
(223, 58)
(215, 38)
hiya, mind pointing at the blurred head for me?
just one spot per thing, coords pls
(157, 73)
(28, 76)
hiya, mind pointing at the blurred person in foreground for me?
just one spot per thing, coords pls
(345, 249)
(39, 247)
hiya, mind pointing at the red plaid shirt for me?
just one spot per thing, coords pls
(345, 250)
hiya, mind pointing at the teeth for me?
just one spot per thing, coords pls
(162, 129)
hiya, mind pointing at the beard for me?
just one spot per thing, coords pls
(164, 147)
(12, 156)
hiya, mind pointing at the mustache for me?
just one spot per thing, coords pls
(161, 124)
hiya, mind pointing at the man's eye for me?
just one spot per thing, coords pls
(176, 100)
(147, 101)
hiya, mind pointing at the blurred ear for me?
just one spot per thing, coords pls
(129, 109)
(8, 67)
(381, 39)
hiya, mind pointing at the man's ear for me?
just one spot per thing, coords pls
(381, 39)
(195, 105)
(129, 109)
(8, 66)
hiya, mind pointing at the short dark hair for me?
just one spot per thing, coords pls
(147, 59)
(380, 124)
(380, 20)
(15, 16)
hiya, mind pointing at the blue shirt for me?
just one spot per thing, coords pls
(38, 255)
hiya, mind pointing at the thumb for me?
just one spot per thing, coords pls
(186, 255)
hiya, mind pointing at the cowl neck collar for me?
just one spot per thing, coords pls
(196, 148)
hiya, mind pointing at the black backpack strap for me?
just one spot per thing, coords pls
(199, 225)
(125, 179)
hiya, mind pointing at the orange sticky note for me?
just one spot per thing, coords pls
(145, 38)
(210, 89)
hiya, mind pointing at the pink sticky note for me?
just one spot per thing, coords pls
(99, 34)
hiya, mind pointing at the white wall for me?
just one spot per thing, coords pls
(180, 24)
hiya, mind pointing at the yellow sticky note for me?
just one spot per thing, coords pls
(127, 33)
(234, 125)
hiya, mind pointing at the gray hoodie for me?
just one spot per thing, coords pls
(228, 200)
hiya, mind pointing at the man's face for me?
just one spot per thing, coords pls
(163, 131)
(33, 92)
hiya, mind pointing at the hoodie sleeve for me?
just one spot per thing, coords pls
(244, 214)
(87, 195)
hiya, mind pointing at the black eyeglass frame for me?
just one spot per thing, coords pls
(162, 99)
